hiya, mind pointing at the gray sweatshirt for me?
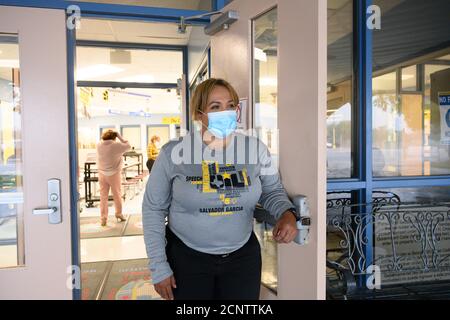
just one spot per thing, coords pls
(208, 197)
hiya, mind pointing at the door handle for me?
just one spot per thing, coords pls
(304, 224)
(53, 201)
(44, 211)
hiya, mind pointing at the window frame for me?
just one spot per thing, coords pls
(363, 182)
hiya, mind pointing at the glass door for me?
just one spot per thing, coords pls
(133, 89)
(35, 243)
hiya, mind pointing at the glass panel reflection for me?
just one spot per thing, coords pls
(340, 88)
(265, 73)
(11, 180)
(411, 78)
(265, 79)
(412, 236)
(269, 255)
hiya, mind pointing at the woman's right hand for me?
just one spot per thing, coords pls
(164, 288)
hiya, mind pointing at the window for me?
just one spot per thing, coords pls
(133, 135)
(11, 176)
(340, 88)
(265, 78)
(411, 241)
(410, 141)
(409, 138)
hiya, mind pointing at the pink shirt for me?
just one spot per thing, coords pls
(110, 156)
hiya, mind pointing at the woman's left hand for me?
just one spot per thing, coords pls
(285, 230)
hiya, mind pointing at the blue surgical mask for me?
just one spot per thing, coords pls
(223, 123)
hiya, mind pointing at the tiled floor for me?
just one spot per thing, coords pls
(126, 250)
(112, 249)
(118, 280)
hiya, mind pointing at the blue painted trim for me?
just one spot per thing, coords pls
(366, 55)
(113, 84)
(127, 45)
(113, 10)
(195, 22)
(187, 96)
(73, 156)
(362, 70)
(219, 4)
(388, 183)
(411, 182)
(345, 185)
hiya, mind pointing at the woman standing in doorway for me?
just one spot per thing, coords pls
(109, 162)
(152, 152)
(212, 251)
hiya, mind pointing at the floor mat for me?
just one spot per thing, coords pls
(118, 280)
(92, 275)
(129, 280)
(90, 227)
(134, 225)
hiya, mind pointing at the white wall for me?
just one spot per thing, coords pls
(197, 50)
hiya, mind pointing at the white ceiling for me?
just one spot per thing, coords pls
(94, 64)
(134, 32)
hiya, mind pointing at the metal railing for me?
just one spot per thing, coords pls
(409, 243)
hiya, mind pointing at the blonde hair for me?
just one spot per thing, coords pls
(109, 135)
(154, 138)
(199, 100)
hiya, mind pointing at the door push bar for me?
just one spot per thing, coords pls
(303, 224)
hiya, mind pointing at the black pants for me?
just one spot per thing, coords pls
(149, 164)
(202, 276)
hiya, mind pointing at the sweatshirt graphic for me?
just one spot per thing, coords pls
(209, 205)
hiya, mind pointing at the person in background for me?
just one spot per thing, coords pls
(110, 161)
(208, 249)
(152, 151)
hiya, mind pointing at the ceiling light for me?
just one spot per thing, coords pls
(96, 71)
(260, 55)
